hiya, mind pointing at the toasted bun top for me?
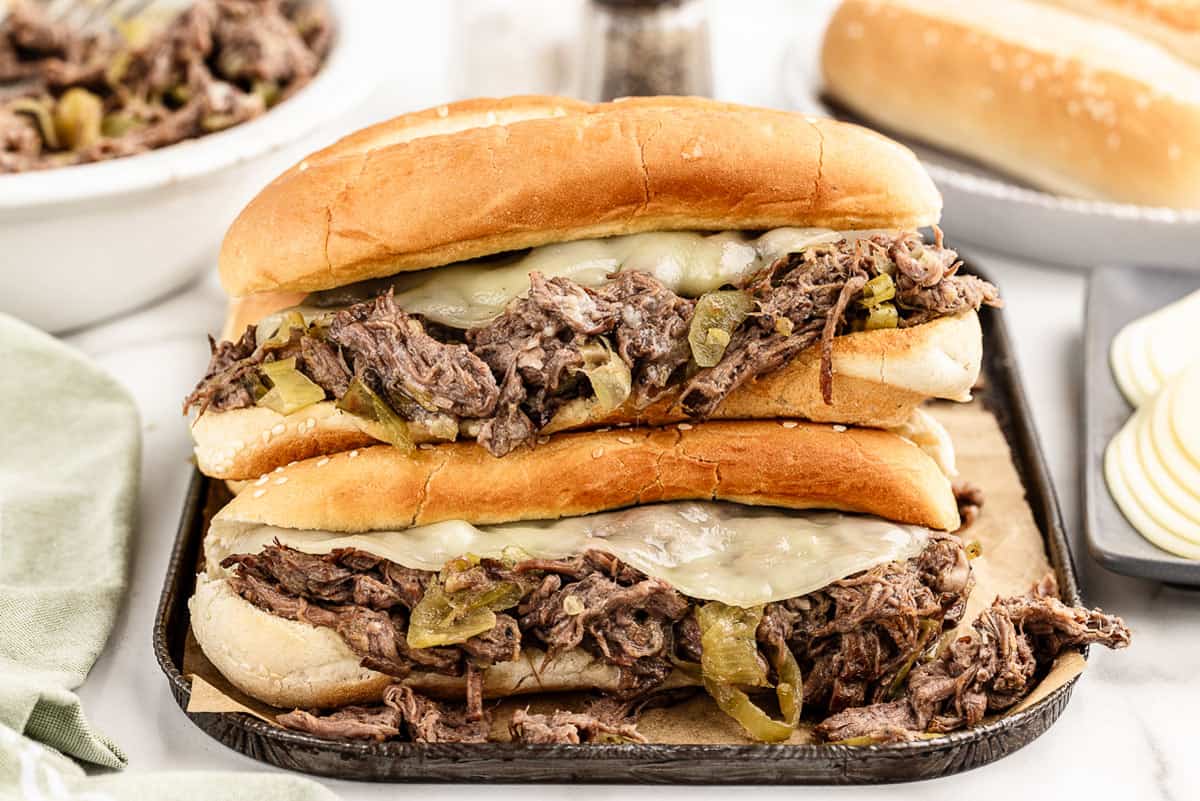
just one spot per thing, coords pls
(788, 464)
(486, 176)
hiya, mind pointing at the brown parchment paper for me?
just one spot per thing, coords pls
(1013, 558)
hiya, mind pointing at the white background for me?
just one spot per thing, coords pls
(1130, 725)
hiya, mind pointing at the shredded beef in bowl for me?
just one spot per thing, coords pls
(72, 97)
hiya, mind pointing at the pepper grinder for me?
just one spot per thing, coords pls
(645, 47)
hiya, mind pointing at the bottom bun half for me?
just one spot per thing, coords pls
(290, 664)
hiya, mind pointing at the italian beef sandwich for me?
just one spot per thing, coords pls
(608, 405)
(504, 270)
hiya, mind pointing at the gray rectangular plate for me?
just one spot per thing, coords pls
(1117, 296)
(650, 763)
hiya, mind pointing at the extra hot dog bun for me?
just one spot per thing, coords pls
(287, 663)
(1065, 101)
(880, 377)
(786, 464)
(487, 176)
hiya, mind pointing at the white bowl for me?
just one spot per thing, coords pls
(79, 244)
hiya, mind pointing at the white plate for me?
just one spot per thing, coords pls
(995, 212)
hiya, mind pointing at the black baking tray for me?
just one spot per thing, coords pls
(1117, 296)
(650, 763)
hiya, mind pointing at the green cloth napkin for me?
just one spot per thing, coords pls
(68, 488)
(70, 442)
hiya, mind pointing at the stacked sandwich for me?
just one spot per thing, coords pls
(532, 396)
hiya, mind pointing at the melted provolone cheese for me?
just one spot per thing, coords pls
(472, 293)
(735, 554)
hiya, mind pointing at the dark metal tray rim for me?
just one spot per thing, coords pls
(669, 762)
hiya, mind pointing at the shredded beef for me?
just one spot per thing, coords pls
(510, 376)
(345, 575)
(803, 298)
(569, 728)
(214, 65)
(854, 637)
(651, 335)
(427, 721)
(422, 720)
(391, 352)
(377, 723)
(325, 366)
(1014, 640)
(870, 646)
(535, 347)
(969, 498)
(232, 372)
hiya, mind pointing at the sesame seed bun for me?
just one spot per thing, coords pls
(788, 464)
(487, 176)
(1066, 102)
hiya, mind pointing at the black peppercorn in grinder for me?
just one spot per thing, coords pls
(645, 47)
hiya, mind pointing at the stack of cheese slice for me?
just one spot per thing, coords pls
(1152, 465)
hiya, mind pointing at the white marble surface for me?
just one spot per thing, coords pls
(1127, 729)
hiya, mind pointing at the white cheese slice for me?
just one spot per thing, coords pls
(472, 293)
(1150, 351)
(739, 555)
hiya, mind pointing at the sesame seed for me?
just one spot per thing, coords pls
(353, 454)
(443, 111)
(259, 493)
(262, 480)
(625, 440)
(289, 464)
(279, 469)
(596, 454)
(266, 436)
(603, 430)
(1027, 83)
(426, 446)
(278, 428)
(789, 424)
(303, 165)
(839, 428)
(542, 440)
(312, 422)
(684, 426)
(281, 481)
(324, 461)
